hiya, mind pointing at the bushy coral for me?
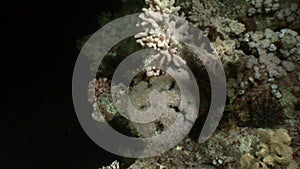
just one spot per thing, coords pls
(158, 29)
(290, 14)
(205, 16)
(272, 55)
(263, 6)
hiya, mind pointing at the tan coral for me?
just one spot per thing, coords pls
(274, 151)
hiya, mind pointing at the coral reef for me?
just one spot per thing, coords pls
(222, 150)
(258, 43)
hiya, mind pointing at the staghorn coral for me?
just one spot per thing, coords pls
(158, 29)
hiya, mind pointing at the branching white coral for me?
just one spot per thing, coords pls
(113, 165)
(163, 6)
(158, 34)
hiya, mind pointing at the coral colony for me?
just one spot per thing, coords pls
(258, 43)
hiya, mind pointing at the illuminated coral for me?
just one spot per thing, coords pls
(113, 165)
(159, 28)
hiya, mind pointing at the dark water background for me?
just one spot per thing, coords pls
(39, 128)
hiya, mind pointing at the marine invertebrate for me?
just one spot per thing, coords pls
(289, 14)
(205, 15)
(97, 87)
(274, 151)
(263, 6)
(272, 56)
(219, 28)
(139, 97)
(99, 96)
(158, 27)
(113, 165)
(257, 108)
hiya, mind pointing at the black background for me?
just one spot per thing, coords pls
(39, 128)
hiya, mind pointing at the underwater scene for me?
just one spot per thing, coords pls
(194, 84)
